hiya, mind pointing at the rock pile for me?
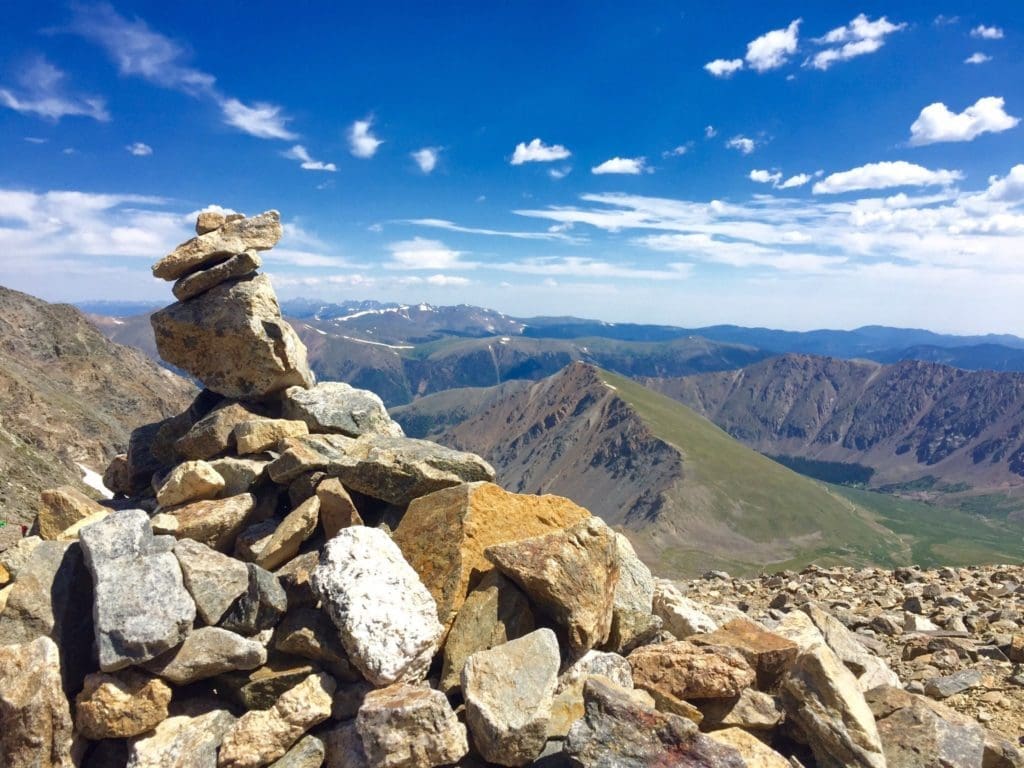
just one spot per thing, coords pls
(286, 580)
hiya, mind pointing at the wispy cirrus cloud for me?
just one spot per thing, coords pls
(858, 38)
(306, 162)
(42, 91)
(451, 226)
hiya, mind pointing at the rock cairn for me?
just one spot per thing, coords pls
(285, 580)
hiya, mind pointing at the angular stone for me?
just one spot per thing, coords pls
(207, 221)
(406, 726)
(680, 615)
(336, 508)
(262, 736)
(618, 730)
(35, 721)
(338, 408)
(308, 633)
(116, 477)
(297, 526)
(567, 705)
(571, 575)
(120, 705)
(257, 233)
(752, 710)
(71, 533)
(251, 542)
(263, 686)
(632, 619)
(215, 523)
(189, 738)
(508, 692)
(240, 474)
(193, 284)
(915, 731)
(755, 753)
(214, 433)
(234, 340)
(207, 652)
(190, 481)
(141, 606)
(386, 618)
(259, 435)
(821, 695)
(948, 685)
(142, 463)
(443, 535)
(344, 747)
(494, 613)
(214, 580)
(63, 507)
(682, 670)
(769, 654)
(393, 469)
(294, 577)
(869, 670)
(308, 753)
(260, 607)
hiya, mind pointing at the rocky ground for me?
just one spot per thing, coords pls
(286, 580)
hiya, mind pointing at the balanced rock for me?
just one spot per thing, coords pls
(509, 691)
(193, 284)
(393, 469)
(215, 523)
(257, 233)
(120, 705)
(207, 652)
(189, 738)
(494, 613)
(680, 615)
(261, 736)
(259, 435)
(234, 340)
(821, 695)
(621, 729)
(443, 535)
(190, 481)
(406, 726)
(682, 670)
(141, 605)
(240, 474)
(337, 407)
(386, 618)
(632, 619)
(571, 575)
(207, 221)
(260, 607)
(214, 580)
(296, 527)
(214, 433)
(337, 509)
(63, 507)
(35, 721)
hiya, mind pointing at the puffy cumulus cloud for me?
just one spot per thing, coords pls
(764, 177)
(977, 58)
(630, 166)
(42, 93)
(796, 180)
(538, 152)
(741, 144)
(139, 149)
(884, 175)
(773, 49)
(361, 141)
(423, 253)
(426, 158)
(861, 36)
(987, 33)
(1009, 188)
(937, 123)
(724, 67)
(300, 153)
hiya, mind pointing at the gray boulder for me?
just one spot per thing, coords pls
(336, 407)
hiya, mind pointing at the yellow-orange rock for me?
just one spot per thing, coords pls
(443, 535)
(63, 507)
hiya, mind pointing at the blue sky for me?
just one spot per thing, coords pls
(794, 165)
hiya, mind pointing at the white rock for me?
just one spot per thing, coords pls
(682, 616)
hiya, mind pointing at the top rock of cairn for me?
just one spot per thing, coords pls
(226, 328)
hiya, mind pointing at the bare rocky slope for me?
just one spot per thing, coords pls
(68, 396)
(911, 422)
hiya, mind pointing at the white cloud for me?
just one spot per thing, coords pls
(942, 20)
(977, 58)
(538, 152)
(797, 180)
(710, 132)
(679, 151)
(139, 149)
(1009, 188)
(937, 123)
(42, 93)
(559, 173)
(987, 33)
(724, 67)
(299, 153)
(362, 142)
(631, 166)
(421, 253)
(861, 36)
(451, 226)
(764, 177)
(578, 266)
(446, 281)
(35, 140)
(262, 120)
(884, 175)
(773, 49)
(426, 158)
(742, 144)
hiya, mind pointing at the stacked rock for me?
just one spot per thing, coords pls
(286, 580)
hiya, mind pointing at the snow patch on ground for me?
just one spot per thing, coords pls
(380, 343)
(95, 481)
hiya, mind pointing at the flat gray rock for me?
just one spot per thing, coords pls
(206, 652)
(141, 605)
(214, 580)
(336, 407)
(260, 607)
